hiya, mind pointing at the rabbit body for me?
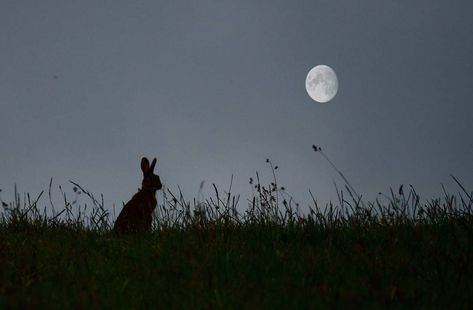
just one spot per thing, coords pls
(137, 214)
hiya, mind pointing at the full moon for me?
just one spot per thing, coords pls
(321, 83)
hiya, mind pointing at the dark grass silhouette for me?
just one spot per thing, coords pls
(399, 251)
(137, 214)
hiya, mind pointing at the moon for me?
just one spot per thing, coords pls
(321, 83)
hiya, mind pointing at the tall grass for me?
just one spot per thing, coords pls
(221, 251)
(269, 204)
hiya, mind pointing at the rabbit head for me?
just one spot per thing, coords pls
(151, 181)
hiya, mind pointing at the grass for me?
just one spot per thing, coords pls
(395, 252)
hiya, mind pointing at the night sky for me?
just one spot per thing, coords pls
(213, 88)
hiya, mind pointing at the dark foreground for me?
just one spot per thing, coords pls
(232, 266)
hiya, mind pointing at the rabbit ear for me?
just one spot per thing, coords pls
(144, 165)
(152, 165)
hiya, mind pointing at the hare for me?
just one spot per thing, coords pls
(136, 215)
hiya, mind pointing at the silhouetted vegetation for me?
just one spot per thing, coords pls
(398, 251)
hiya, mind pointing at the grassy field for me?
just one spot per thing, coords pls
(400, 253)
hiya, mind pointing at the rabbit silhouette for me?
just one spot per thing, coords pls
(137, 214)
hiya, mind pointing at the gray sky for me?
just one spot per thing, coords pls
(213, 88)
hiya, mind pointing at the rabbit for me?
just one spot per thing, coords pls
(137, 214)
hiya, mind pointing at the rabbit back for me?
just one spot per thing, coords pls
(137, 214)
